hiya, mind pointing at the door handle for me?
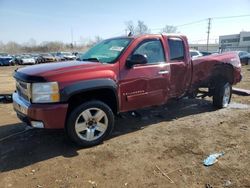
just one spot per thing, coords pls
(163, 72)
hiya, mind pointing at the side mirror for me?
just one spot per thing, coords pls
(136, 59)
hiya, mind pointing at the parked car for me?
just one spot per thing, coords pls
(58, 57)
(195, 54)
(205, 53)
(119, 75)
(3, 54)
(78, 56)
(66, 55)
(244, 57)
(38, 58)
(6, 60)
(17, 59)
(26, 59)
(48, 57)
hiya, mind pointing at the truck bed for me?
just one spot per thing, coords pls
(204, 67)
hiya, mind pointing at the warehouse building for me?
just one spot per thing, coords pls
(203, 47)
(235, 42)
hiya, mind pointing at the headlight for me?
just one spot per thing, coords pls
(47, 92)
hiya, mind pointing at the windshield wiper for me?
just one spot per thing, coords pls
(91, 59)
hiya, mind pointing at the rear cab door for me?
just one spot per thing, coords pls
(180, 65)
(148, 84)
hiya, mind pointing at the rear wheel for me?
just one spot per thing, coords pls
(222, 95)
(90, 123)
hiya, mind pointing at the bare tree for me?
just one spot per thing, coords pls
(169, 29)
(1, 45)
(98, 39)
(31, 42)
(12, 47)
(142, 28)
(130, 27)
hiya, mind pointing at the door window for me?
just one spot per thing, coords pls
(176, 48)
(152, 50)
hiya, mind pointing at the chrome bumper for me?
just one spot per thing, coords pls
(20, 105)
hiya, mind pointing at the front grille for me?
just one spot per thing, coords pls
(23, 89)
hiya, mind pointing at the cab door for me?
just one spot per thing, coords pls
(148, 84)
(180, 66)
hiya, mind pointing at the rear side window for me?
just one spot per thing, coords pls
(176, 48)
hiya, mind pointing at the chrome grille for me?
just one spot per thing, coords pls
(23, 89)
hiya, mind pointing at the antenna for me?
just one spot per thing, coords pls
(130, 34)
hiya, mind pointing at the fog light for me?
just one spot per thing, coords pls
(37, 124)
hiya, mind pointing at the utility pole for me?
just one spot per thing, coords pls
(72, 36)
(208, 31)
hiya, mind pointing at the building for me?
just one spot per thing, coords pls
(235, 42)
(203, 47)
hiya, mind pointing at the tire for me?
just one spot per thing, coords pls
(90, 123)
(222, 95)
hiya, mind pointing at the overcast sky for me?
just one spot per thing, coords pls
(53, 20)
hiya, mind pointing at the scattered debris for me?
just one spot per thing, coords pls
(211, 159)
(207, 185)
(135, 114)
(164, 174)
(244, 128)
(243, 92)
(93, 183)
(227, 183)
(5, 98)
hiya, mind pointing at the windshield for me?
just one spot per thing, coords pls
(106, 51)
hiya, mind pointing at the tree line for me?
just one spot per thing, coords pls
(53, 46)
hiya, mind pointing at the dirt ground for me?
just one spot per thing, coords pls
(158, 147)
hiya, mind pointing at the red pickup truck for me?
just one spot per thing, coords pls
(118, 75)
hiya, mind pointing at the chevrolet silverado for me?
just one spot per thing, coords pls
(119, 75)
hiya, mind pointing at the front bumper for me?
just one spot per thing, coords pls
(53, 116)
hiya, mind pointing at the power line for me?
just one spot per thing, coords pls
(200, 21)
(191, 23)
(203, 20)
(221, 17)
(228, 17)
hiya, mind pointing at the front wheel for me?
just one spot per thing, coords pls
(90, 123)
(222, 95)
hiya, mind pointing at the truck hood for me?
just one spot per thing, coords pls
(71, 70)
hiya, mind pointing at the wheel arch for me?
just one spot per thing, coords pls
(222, 72)
(104, 90)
